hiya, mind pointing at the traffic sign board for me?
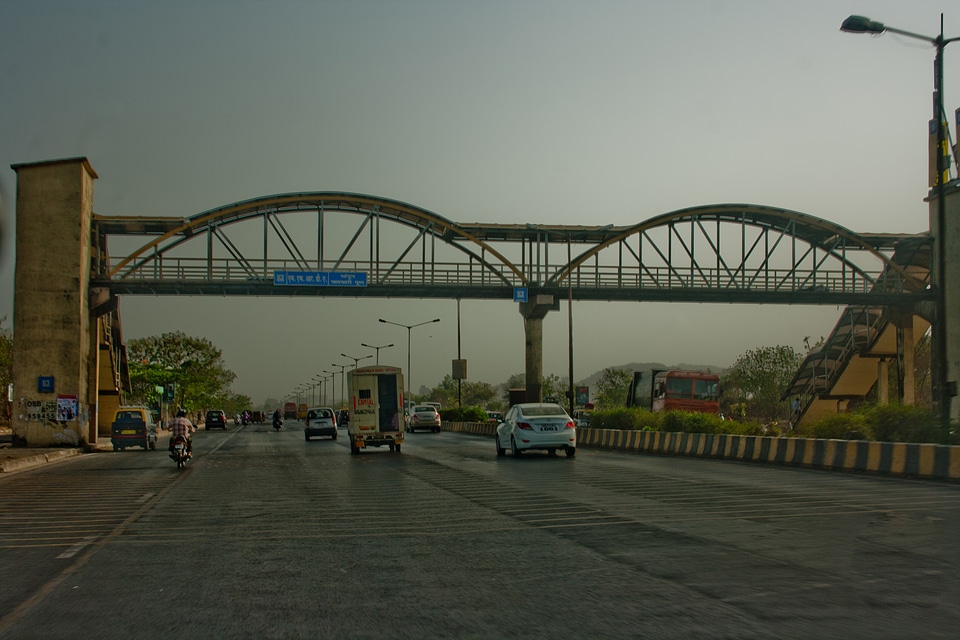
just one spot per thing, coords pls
(320, 278)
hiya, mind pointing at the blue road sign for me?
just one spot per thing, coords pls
(519, 294)
(320, 278)
(45, 384)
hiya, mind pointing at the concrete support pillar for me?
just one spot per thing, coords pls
(533, 358)
(951, 322)
(883, 382)
(533, 313)
(909, 364)
(51, 320)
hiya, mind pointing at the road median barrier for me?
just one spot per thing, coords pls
(907, 459)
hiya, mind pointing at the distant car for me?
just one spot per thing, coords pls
(537, 425)
(423, 416)
(494, 417)
(343, 418)
(320, 421)
(215, 420)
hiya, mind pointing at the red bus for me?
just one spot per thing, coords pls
(289, 410)
(677, 390)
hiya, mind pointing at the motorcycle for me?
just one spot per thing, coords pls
(278, 423)
(179, 452)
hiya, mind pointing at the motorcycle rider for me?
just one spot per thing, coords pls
(277, 419)
(181, 426)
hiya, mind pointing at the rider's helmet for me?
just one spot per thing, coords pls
(181, 413)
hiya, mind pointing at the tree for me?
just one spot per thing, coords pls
(759, 377)
(612, 387)
(516, 381)
(447, 393)
(553, 386)
(6, 367)
(193, 365)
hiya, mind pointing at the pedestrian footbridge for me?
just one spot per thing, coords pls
(333, 244)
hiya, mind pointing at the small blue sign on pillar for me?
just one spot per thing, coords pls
(45, 384)
(519, 294)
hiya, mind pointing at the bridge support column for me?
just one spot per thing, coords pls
(533, 313)
(51, 318)
(883, 385)
(951, 320)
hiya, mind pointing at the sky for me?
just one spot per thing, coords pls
(556, 112)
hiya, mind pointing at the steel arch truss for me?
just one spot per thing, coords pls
(303, 232)
(743, 253)
(715, 253)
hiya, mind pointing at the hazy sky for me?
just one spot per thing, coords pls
(599, 112)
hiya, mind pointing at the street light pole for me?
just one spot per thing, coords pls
(939, 389)
(938, 367)
(370, 346)
(343, 394)
(333, 379)
(409, 328)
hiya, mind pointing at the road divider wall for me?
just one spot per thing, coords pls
(939, 462)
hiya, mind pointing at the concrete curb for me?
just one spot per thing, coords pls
(19, 464)
(904, 459)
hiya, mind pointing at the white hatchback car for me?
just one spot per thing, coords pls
(537, 425)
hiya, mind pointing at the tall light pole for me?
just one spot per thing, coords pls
(333, 378)
(409, 328)
(370, 346)
(940, 390)
(343, 393)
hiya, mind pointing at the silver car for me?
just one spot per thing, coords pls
(320, 421)
(537, 425)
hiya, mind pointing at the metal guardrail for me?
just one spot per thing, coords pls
(475, 274)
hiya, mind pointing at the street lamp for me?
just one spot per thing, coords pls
(333, 378)
(356, 360)
(938, 374)
(343, 394)
(409, 328)
(370, 346)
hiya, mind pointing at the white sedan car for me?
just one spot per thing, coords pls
(537, 425)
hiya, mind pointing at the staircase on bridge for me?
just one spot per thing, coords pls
(851, 361)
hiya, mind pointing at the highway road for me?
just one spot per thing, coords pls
(265, 535)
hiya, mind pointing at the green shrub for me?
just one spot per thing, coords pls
(625, 418)
(903, 423)
(839, 426)
(636, 419)
(464, 414)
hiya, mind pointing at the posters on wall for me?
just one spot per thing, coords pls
(67, 408)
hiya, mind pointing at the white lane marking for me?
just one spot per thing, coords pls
(75, 549)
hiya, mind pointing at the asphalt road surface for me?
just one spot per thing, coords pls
(264, 535)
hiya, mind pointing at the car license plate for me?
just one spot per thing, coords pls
(548, 428)
(128, 432)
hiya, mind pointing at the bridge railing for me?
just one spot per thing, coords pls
(473, 273)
